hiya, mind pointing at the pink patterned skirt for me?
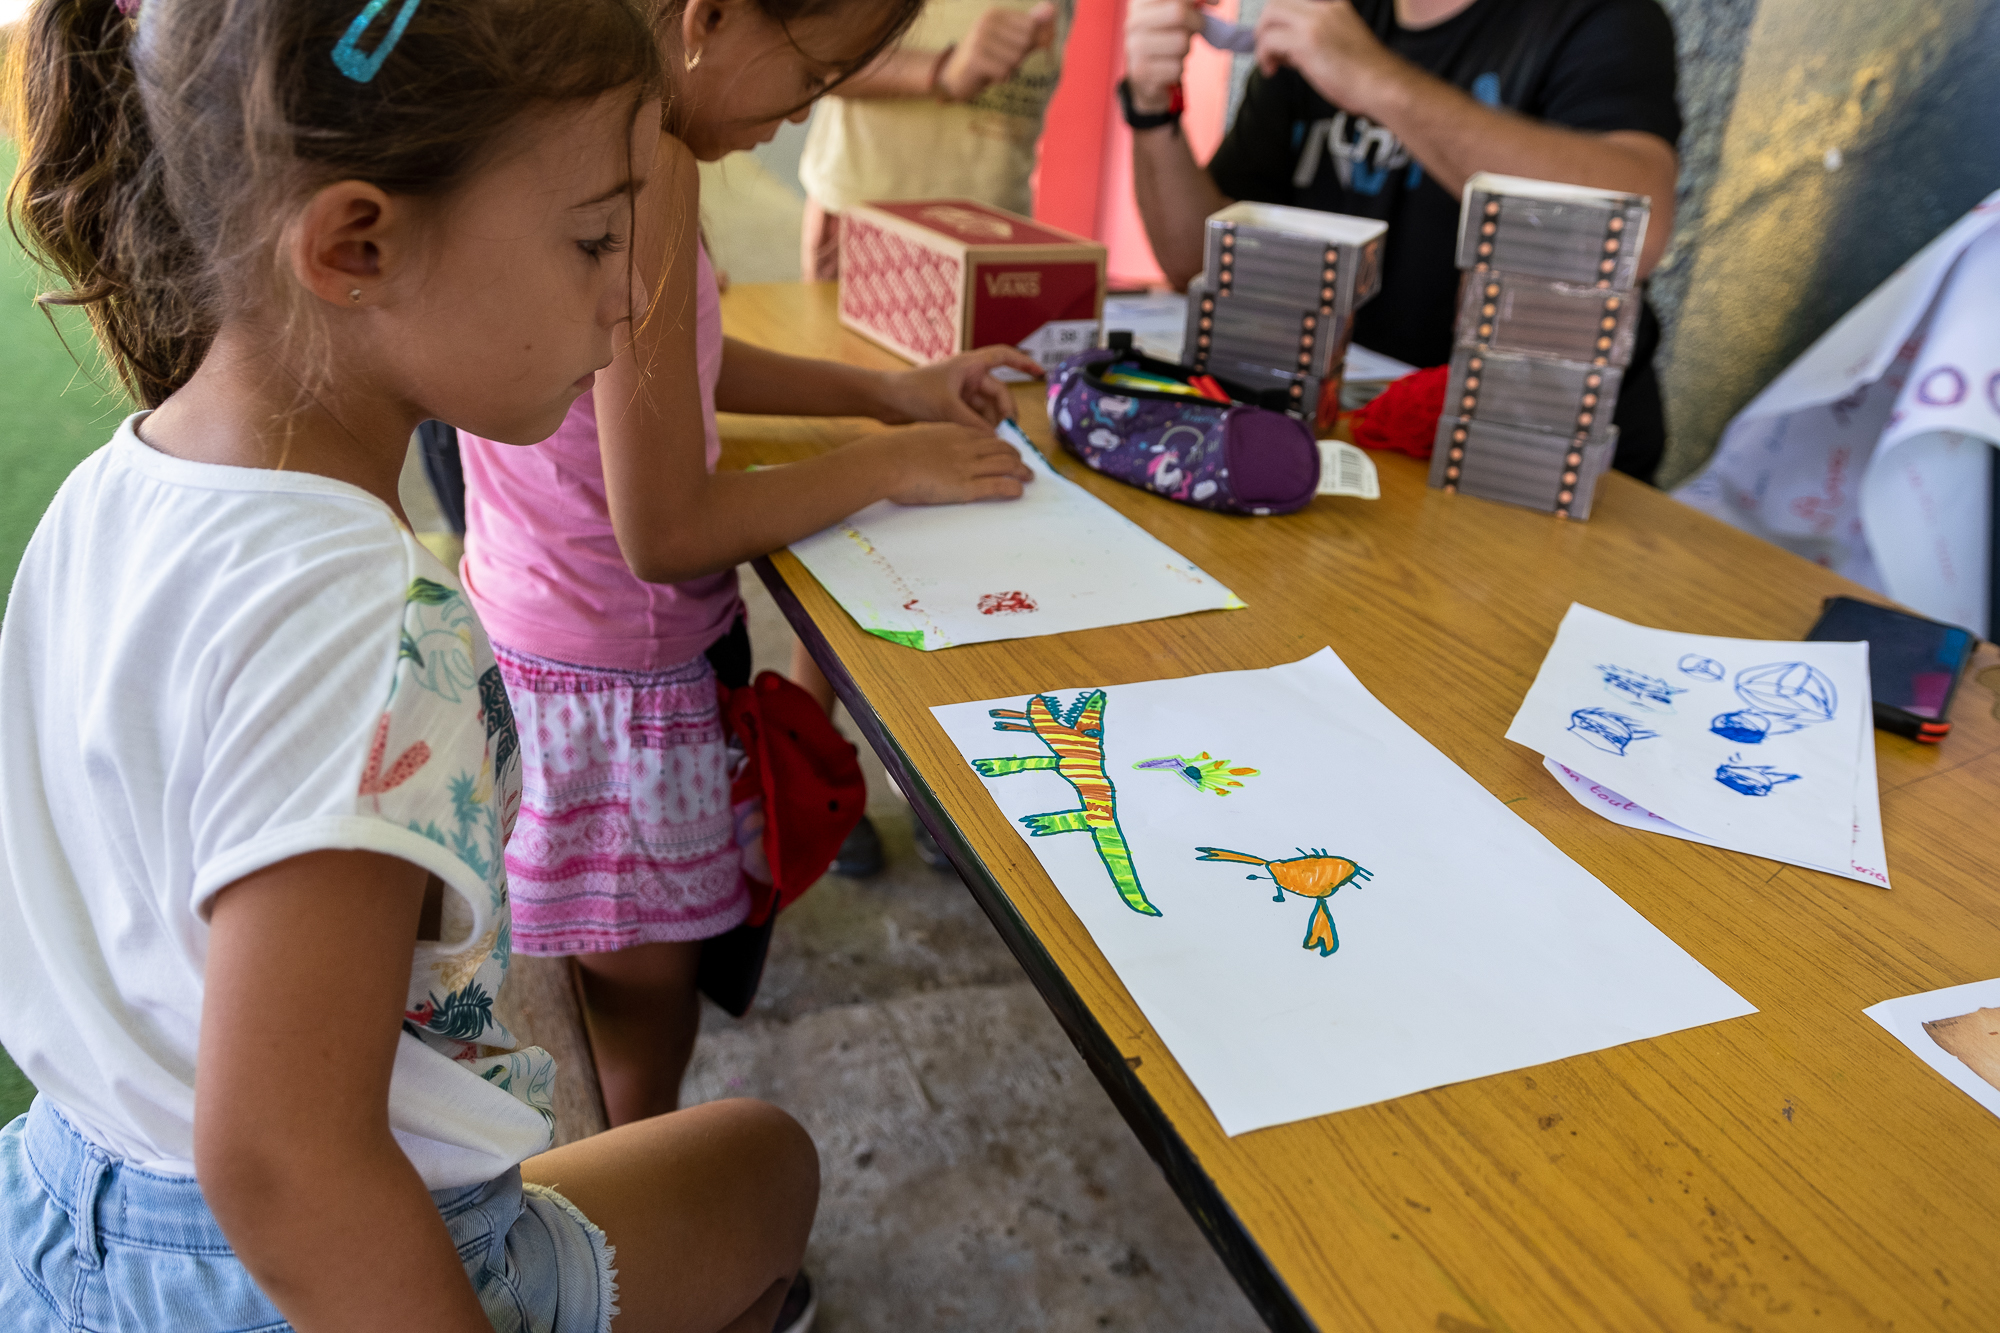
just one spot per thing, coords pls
(626, 834)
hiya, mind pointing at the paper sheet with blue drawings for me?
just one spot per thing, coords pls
(1748, 744)
(1956, 1031)
(1314, 908)
(1058, 559)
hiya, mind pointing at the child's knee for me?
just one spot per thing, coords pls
(777, 1144)
(782, 1137)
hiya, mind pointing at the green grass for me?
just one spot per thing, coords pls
(52, 411)
(52, 414)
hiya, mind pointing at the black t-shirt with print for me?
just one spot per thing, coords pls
(1586, 64)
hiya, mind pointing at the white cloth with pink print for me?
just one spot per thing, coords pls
(1872, 453)
(205, 671)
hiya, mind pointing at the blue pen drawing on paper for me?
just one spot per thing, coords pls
(1701, 668)
(1608, 731)
(1794, 694)
(1745, 726)
(1640, 689)
(1783, 696)
(1751, 779)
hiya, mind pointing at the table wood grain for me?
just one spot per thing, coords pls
(1796, 1169)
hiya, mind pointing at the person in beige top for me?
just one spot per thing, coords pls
(954, 111)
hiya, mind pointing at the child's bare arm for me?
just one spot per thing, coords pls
(308, 972)
(673, 519)
(961, 388)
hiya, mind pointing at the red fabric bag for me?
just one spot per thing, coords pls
(1404, 416)
(809, 777)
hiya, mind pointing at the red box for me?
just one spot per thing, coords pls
(929, 278)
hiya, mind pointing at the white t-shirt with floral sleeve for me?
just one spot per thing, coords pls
(204, 671)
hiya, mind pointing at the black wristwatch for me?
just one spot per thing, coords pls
(1150, 120)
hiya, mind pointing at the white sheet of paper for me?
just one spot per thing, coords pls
(1751, 743)
(1364, 364)
(1866, 862)
(1471, 947)
(1157, 322)
(1905, 1018)
(1058, 559)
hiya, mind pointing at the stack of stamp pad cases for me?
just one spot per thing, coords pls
(1546, 321)
(1271, 314)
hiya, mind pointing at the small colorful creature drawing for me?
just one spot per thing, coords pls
(1311, 874)
(1751, 779)
(1637, 687)
(1201, 772)
(1075, 735)
(1701, 668)
(1608, 731)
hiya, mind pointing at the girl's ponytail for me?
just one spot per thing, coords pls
(88, 196)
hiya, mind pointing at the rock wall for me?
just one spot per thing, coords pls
(1857, 133)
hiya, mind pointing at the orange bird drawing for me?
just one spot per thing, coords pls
(1315, 874)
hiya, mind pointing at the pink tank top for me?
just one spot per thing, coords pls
(542, 565)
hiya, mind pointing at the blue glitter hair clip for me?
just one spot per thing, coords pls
(347, 54)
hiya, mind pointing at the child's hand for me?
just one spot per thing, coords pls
(961, 388)
(940, 465)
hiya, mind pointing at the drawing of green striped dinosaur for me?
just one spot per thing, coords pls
(1075, 735)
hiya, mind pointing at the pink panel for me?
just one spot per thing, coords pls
(1071, 161)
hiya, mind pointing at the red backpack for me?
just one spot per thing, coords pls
(809, 778)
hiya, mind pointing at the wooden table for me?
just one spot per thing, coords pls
(1797, 1169)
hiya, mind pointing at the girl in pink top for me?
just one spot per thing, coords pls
(603, 561)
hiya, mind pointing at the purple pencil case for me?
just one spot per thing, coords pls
(1233, 458)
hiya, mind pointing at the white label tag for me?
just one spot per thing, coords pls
(1053, 341)
(1346, 470)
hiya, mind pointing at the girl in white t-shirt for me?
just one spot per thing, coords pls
(259, 765)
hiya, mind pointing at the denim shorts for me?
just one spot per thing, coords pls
(93, 1243)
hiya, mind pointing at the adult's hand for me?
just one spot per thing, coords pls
(1157, 34)
(1000, 40)
(1332, 47)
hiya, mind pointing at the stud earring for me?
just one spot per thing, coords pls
(689, 62)
(354, 294)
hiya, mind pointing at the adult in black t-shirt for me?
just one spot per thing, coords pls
(1383, 109)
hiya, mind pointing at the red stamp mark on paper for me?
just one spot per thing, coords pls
(1005, 603)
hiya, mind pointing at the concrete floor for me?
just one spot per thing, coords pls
(975, 1175)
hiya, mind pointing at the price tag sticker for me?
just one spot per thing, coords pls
(1346, 470)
